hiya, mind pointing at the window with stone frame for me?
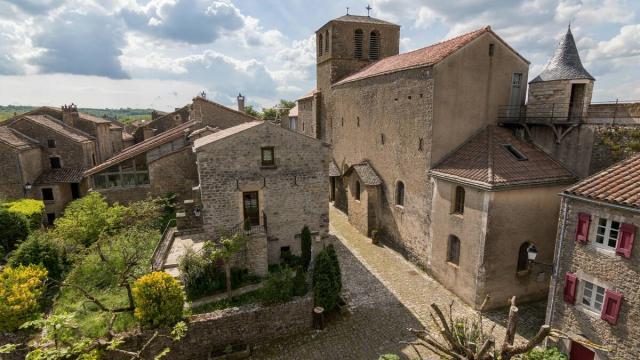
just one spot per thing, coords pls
(592, 295)
(326, 41)
(51, 143)
(453, 250)
(268, 156)
(607, 233)
(358, 37)
(374, 45)
(458, 202)
(320, 44)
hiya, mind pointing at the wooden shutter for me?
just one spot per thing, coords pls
(570, 286)
(611, 306)
(582, 229)
(626, 236)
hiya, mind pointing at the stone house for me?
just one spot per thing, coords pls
(594, 293)
(493, 198)
(48, 158)
(266, 178)
(163, 162)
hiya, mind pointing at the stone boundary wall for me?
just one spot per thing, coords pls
(251, 324)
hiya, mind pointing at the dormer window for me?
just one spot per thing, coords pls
(515, 152)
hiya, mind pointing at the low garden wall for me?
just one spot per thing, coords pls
(251, 324)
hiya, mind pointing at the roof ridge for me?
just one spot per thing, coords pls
(226, 107)
(603, 172)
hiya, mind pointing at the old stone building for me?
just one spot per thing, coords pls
(258, 179)
(594, 293)
(45, 159)
(163, 163)
(493, 198)
(392, 118)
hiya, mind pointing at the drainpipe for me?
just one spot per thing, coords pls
(556, 262)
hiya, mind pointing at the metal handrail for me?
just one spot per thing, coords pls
(163, 241)
(568, 111)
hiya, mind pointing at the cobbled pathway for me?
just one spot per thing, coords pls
(387, 294)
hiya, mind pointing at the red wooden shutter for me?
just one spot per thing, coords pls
(625, 240)
(570, 286)
(582, 230)
(611, 306)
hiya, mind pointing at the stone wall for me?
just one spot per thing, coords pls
(215, 115)
(126, 195)
(176, 172)
(602, 266)
(292, 194)
(11, 183)
(251, 325)
(306, 117)
(611, 144)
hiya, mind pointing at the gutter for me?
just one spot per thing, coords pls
(601, 203)
(556, 262)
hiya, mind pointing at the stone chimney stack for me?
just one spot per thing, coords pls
(70, 114)
(240, 103)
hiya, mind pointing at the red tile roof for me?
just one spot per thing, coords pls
(143, 147)
(16, 139)
(485, 161)
(309, 94)
(619, 184)
(427, 56)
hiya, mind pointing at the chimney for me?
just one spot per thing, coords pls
(240, 103)
(70, 114)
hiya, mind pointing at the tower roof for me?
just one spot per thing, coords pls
(363, 19)
(565, 63)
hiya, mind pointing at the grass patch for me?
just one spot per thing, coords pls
(251, 297)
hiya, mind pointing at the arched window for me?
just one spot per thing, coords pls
(458, 202)
(320, 44)
(453, 250)
(356, 195)
(358, 36)
(523, 257)
(400, 193)
(374, 45)
(326, 41)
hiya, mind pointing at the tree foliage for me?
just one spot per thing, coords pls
(21, 291)
(14, 228)
(40, 248)
(159, 300)
(325, 283)
(279, 287)
(30, 208)
(305, 245)
(336, 266)
(223, 251)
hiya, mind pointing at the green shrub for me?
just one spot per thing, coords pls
(39, 248)
(336, 265)
(300, 282)
(21, 291)
(325, 283)
(550, 353)
(14, 228)
(305, 245)
(289, 260)
(389, 357)
(159, 299)
(278, 287)
(30, 208)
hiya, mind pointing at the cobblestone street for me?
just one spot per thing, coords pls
(387, 295)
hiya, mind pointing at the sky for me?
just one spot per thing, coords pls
(161, 53)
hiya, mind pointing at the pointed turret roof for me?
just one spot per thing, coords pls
(565, 63)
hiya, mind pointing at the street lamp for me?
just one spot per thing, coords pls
(532, 254)
(27, 188)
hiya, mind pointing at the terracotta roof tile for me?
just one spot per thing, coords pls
(484, 160)
(309, 94)
(57, 126)
(64, 175)
(142, 147)
(427, 56)
(365, 173)
(619, 184)
(16, 139)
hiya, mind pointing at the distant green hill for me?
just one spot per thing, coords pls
(126, 116)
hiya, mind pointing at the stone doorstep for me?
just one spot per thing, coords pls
(218, 297)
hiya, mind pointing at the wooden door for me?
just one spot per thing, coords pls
(251, 207)
(579, 352)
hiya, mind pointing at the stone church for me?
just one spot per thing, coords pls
(436, 152)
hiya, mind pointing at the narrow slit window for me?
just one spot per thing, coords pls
(453, 250)
(357, 43)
